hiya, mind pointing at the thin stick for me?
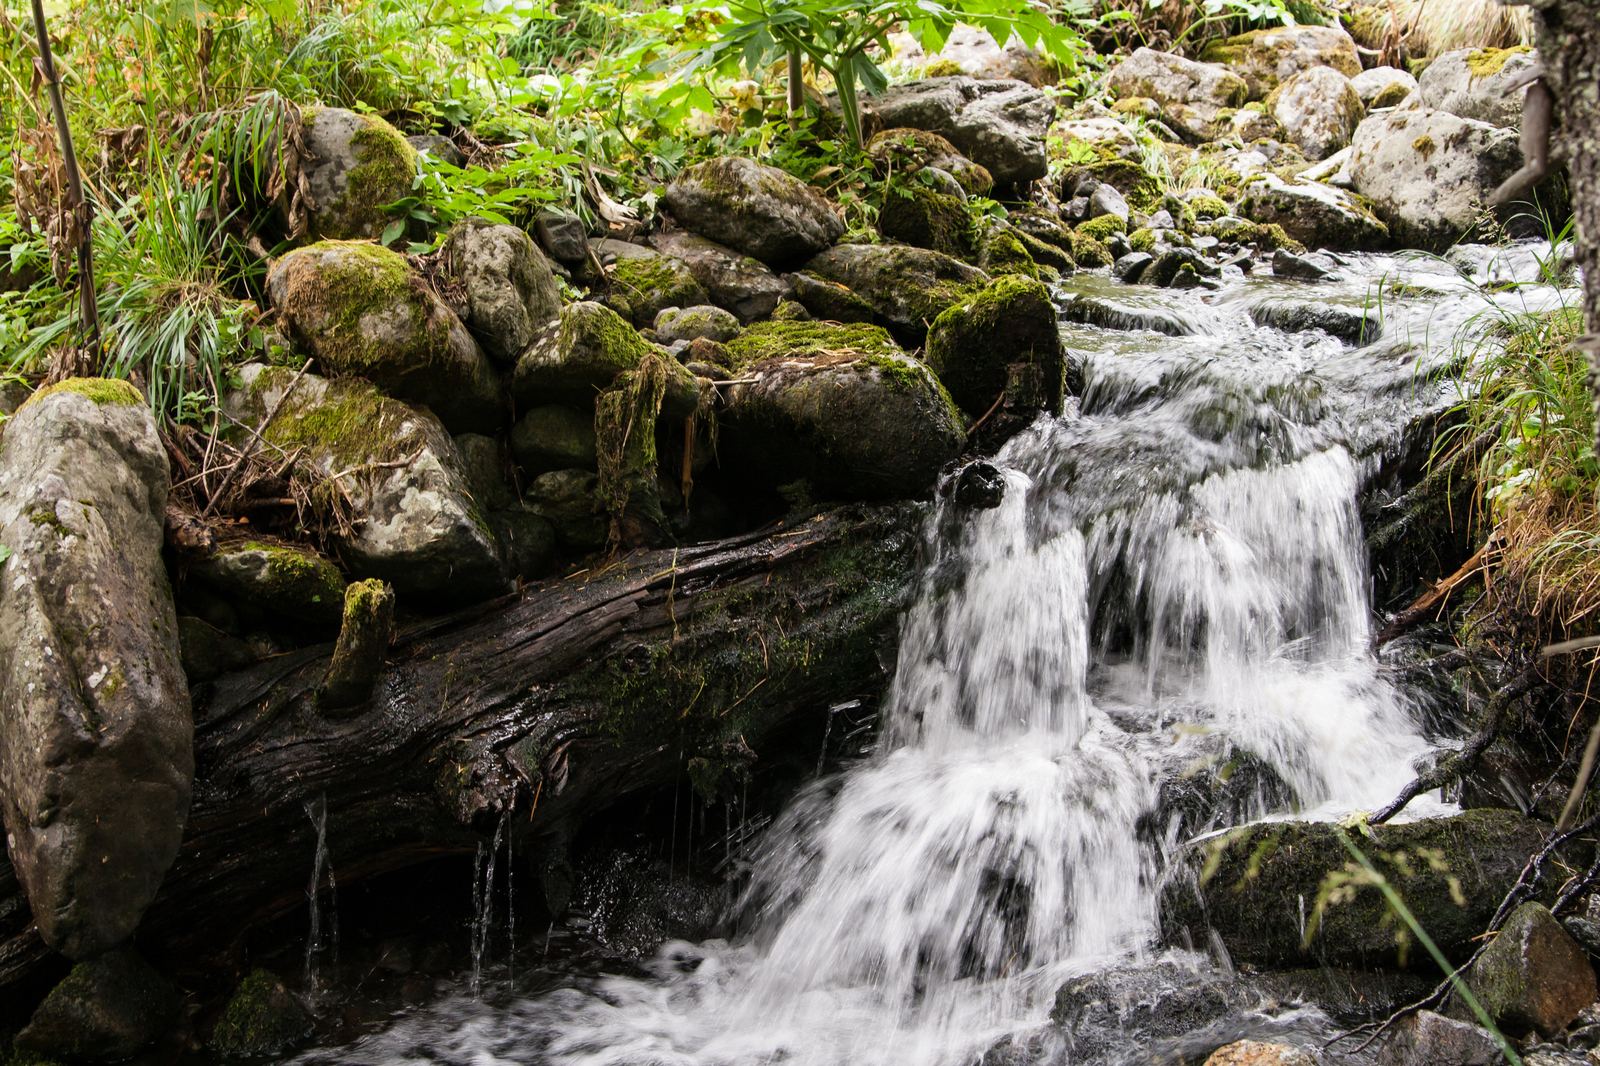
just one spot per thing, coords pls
(1574, 801)
(249, 445)
(992, 409)
(69, 158)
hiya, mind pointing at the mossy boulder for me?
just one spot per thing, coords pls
(554, 438)
(997, 123)
(1318, 109)
(1475, 83)
(511, 292)
(1001, 252)
(360, 163)
(734, 282)
(1266, 58)
(261, 1018)
(1265, 236)
(842, 407)
(693, 323)
(1316, 215)
(1534, 978)
(828, 300)
(1174, 83)
(1003, 340)
(1127, 176)
(752, 208)
(905, 151)
(106, 1010)
(584, 355)
(648, 282)
(1102, 228)
(419, 529)
(285, 579)
(1256, 888)
(361, 311)
(907, 287)
(1089, 252)
(918, 216)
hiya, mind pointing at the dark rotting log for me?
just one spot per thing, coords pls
(546, 706)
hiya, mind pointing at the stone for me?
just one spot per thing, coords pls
(261, 1018)
(1533, 977)
(648, 281)
(484, 468)
(554, 438)
(828, 300)
(356, 164)
(1352, 327)
(106, 1010)
(1429, 1039)
(529, 539)
(980, 486)
(906, 287)
(1383, 86)
(908, 151)
(1316, 215)
(1428, 173)
(1173, 82)
(1168, 264)
(1249, 125)
(1101, 132)
(692, 323)
(207, 651)
(1111, 314)
(286, 579)
(1003, 340)
(1285, 264)
(566, 499)
(1318, 110)
(361, 311)
(1259, 1053)
(1106, 200)
(918, 216)
(439, 147)
(96, 743)
(511, 292)
(1473, 83)
(1002, 251)
(584, 355)
(1266, 58)
(420, 528)
(945, 182)
(734, 282)
(999, 125)
(562, 235)
(842, 407)
(752, 208)
(1259, 917)
(1131, 267)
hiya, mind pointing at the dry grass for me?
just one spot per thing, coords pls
(1430, 27)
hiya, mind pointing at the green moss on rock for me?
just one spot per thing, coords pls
(926, 219)
(808, 340)
(261, 1018)
(1487, 62)
(1089, 252)
(1007, 331)
(1103, 227)
(105, 392)
(651, 283)
(1002, 253)
(1142, 239)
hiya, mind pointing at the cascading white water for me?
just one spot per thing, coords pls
(1162, 585)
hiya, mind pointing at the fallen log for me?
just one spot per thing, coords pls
(546, 706)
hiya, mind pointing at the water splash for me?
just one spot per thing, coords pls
(483, 900)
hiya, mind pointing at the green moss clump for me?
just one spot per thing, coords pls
(920, 217)
(791, 311)
(1210, 206)
(294, 574)
(385, 168)
(1424, 146)
(1487, 62)
(650, 283)
(1004, 254)
(900, 374)
(809, 340)
(1391, 95)
(260, 1018)
(353, 423)
(105, 392)
(1103, 227)
(1129, 178)
(1089, 252)
(1142, 239)
(350, 282)
(942, 68)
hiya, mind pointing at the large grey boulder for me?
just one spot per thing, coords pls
(1190, 94)
(510, 290)
(1318, 110)
(418, 526)
(753, 208)
(1316, 215)
(1267, 58)
(734, 282)
(999, 125)
(1428, 173)
(361, 311)
(1474, 83)
(907, 151)
(906, 287)
(358, 163)
(96, 743)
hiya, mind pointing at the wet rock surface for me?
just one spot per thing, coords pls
(108, 1009)
(1534, 977)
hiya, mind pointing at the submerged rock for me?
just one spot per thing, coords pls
(1004, 340)
(999, 125)
(511, 292)
(1285, 264)
(1112, 314)
(906, 287)
(1352, 327)
(1260, 1053)
(106, 1010)
(357, 165)
(752, 208)
(1534, 977)
(735, 282)
(980, 486)
(361, 311)
(96, 745)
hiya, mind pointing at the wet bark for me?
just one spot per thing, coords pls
(542, 708)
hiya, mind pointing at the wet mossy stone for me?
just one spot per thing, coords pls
(1534, 977)
(421, 529)
(584, 355)
(753, 208)
(1089, 252)
(828, 300)
(977, 347)
(906, 287)
(567, 500)
(261, 1018)
(1248, 883)
(648, 281)
(693, 323)
(360, 163)
(554, 438)
(1103, 227)
(286, 579)
(1128, 176)
(362, 312)
(808, 340)
(918, 216)
(1002, 252)
(845, 410)
(908, 150)
(511, 292)
(108, 1009)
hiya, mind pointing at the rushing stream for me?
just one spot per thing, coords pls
(1176, 576)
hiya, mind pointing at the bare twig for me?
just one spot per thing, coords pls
(1436, 596)
(249, 444)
